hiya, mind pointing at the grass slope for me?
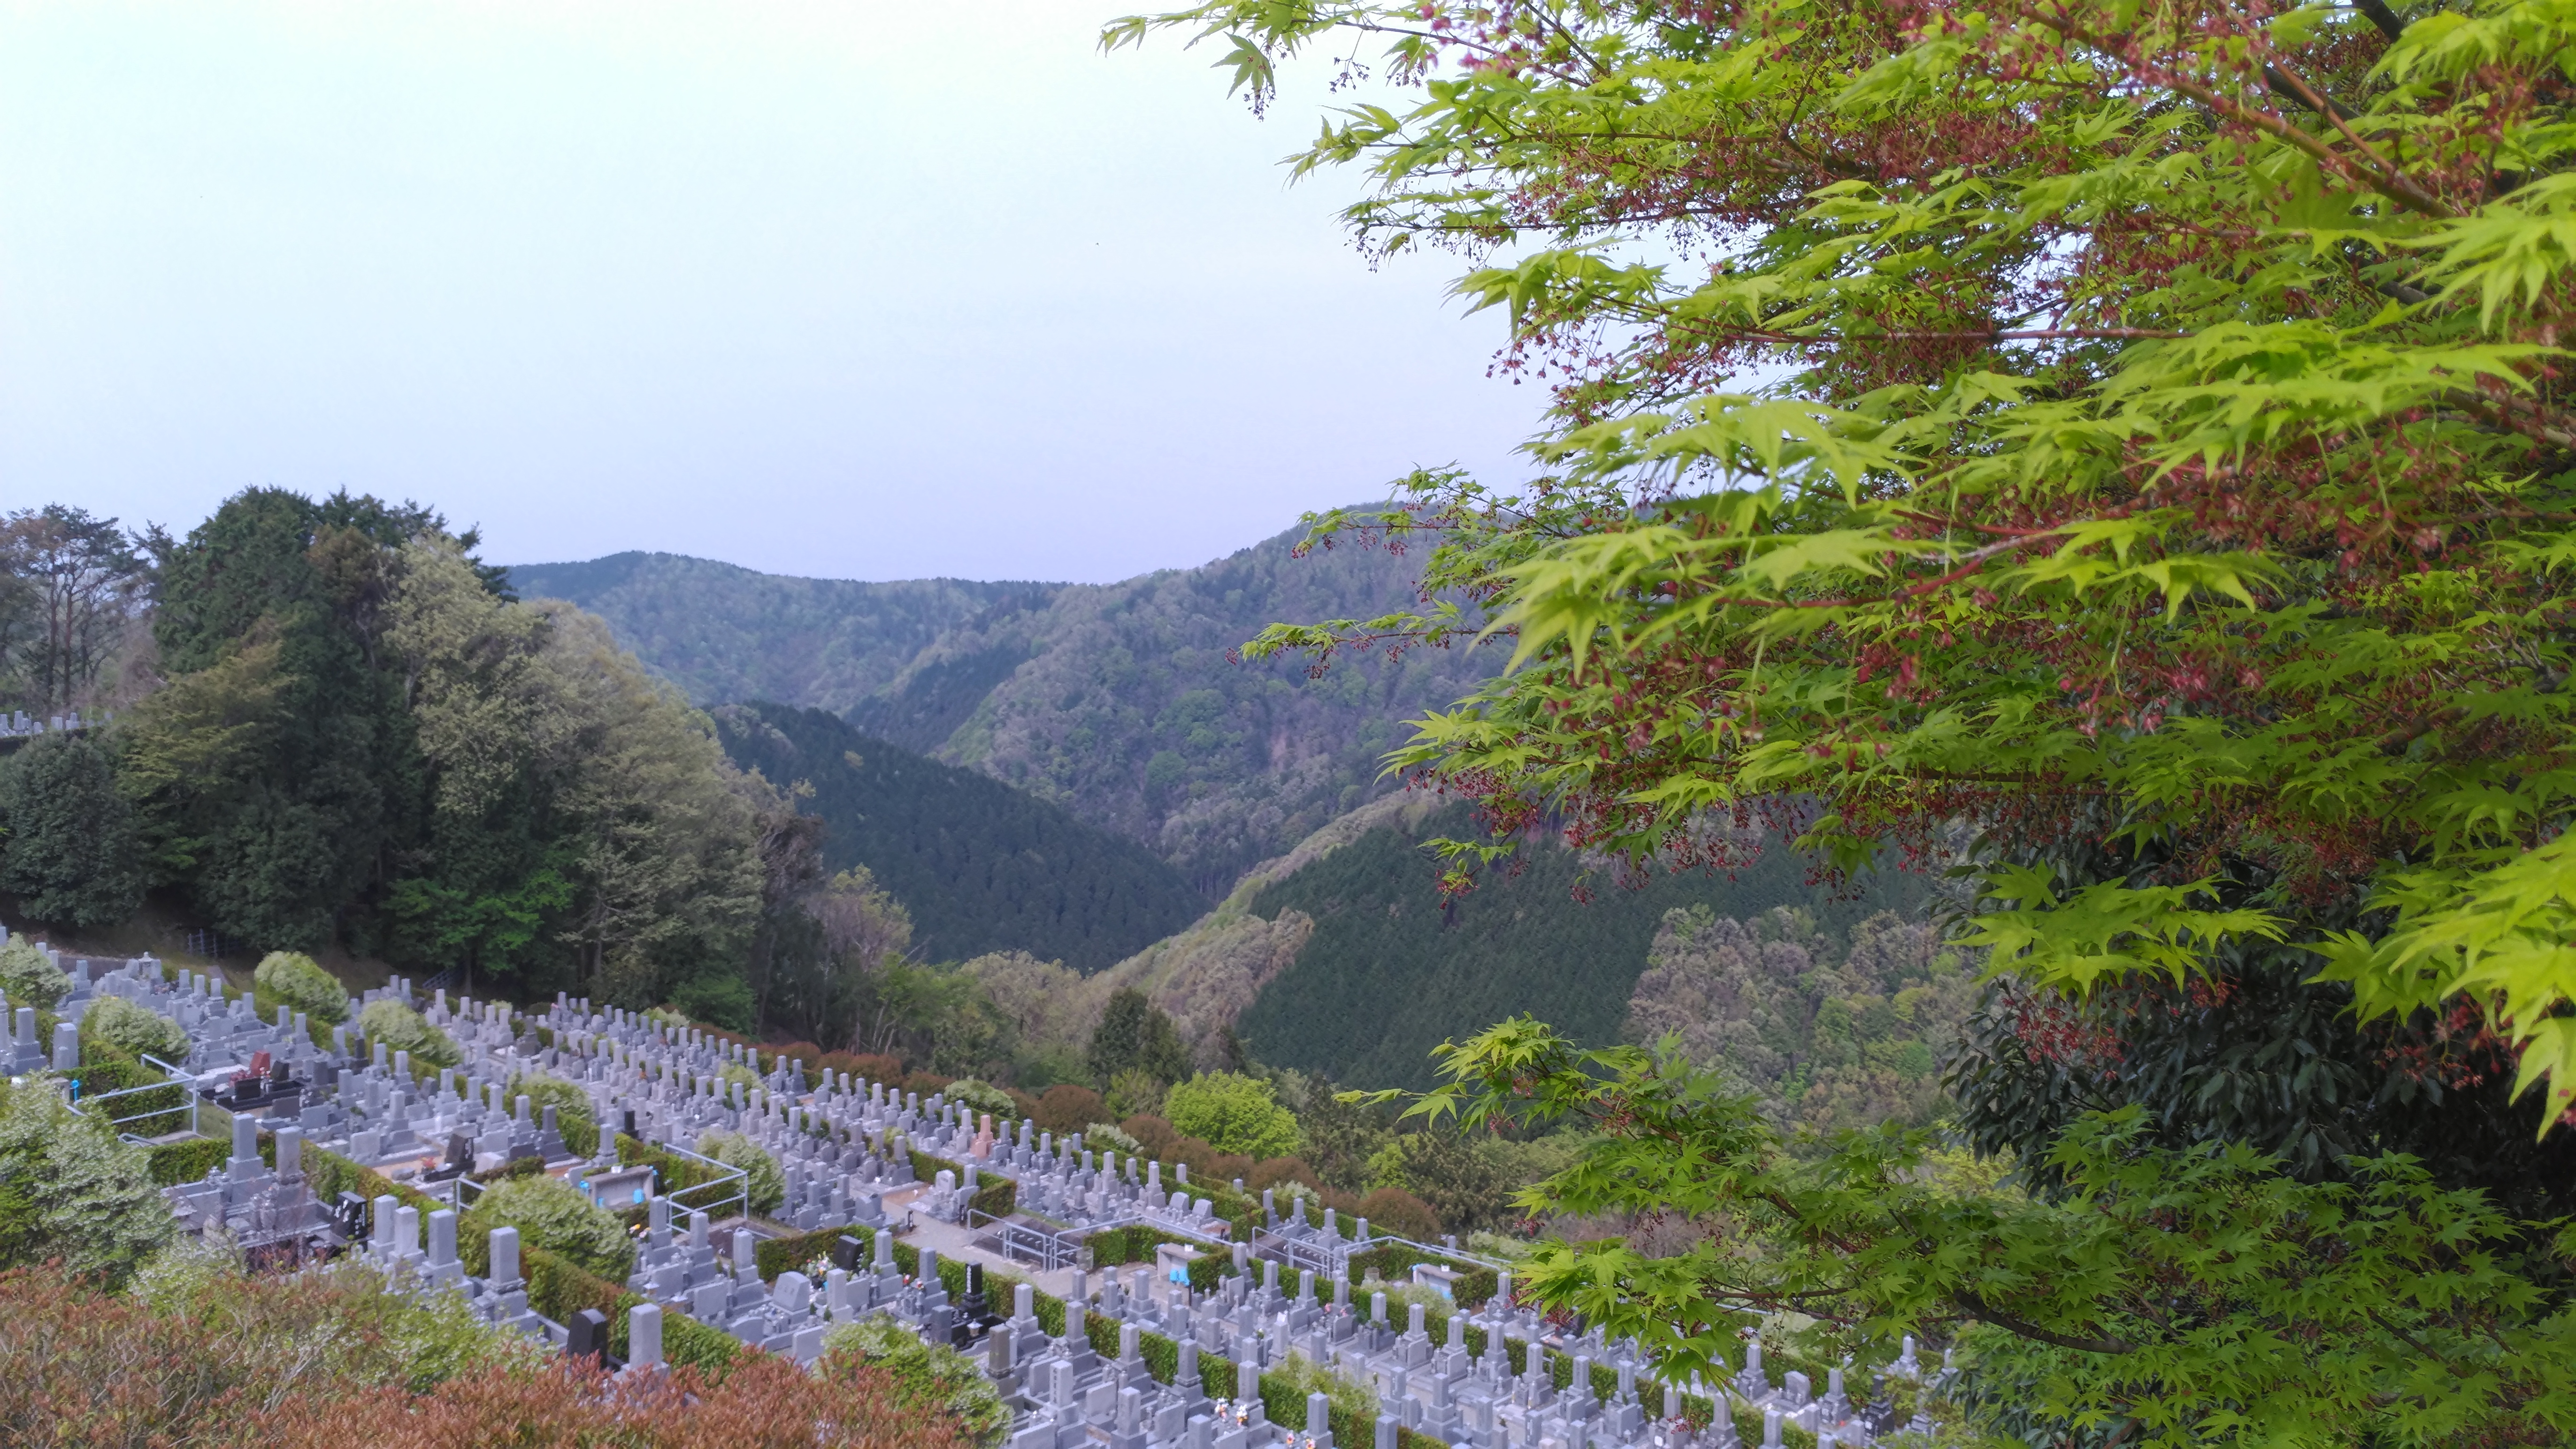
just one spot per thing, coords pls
(1391, 971)
(981, 866)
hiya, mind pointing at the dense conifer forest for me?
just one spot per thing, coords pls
(981, 867)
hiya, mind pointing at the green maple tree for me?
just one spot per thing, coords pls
(2126, 436)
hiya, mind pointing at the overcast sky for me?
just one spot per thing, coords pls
(856, 290)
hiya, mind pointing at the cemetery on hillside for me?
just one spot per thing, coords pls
(640, 1192)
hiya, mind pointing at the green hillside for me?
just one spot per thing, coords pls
(981, 866)
(1391, 970)
(725, 634)
(1121, 702)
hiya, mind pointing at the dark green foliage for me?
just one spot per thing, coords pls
(980, 866)
(69, 586)
(939, 696)
(1341, 1137)
(1135, 1243)
(72, 855)
(293, 828)
(1394, 970)
(172, 1163)
(724, 1001)
(1135, 1035)
(2259, 1053)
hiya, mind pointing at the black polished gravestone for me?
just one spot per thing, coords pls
(459, 1160)
(586, 1336)
(846, 1252)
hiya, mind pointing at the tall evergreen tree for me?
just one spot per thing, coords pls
(1136, 1035)
(296, 840)
(71, 856)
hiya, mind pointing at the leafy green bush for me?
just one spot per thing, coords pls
(401, 1029)
(552, 1215)
(302, 984)
(983, 1097)
(27, 978)
(69, 1190)
(119, 1024)
(1102, 1135)
(1234, 1113)
(545, 1089)
(767, 1185)
(1300, 1376)
(737, 1072)
(926, 1375)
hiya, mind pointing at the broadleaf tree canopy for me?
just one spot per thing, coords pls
(2069, 417)
(2125, 437)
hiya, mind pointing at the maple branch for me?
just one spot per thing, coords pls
(2389, 181)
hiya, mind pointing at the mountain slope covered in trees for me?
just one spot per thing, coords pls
(1392, 969)
(979, 866)
(726, 634)
(1121, 702)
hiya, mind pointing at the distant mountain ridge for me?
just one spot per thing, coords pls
(1120, 702)
(726, 634)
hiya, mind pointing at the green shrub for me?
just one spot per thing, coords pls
(131, 1030)
(401, 1029)
(737, 1072)
(27, 978)
(545, 1089)
(1234, 1113)
(552, 1215)
(297, 980)
(983, 1097)
(767, 1186)
(70, 1190)
(1102, 1135)
(926, 1375)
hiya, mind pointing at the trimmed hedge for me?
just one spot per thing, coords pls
(156, 1113)
(779, 1255)
(173, 1163)
(1474, 1287)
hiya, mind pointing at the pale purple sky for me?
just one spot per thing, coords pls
(855, 290)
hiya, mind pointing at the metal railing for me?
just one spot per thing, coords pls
(1330, 1257)
(732, 1187)
(183, 1112)
(1045, 1249)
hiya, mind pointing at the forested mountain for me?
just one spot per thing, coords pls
(979, 866)
(1120, 702)
(727, 634)
(1392, 969)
